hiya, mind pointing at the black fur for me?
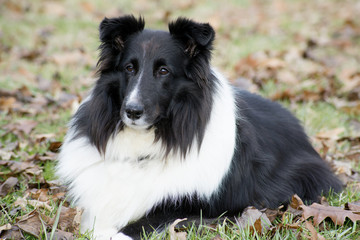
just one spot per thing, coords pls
(188, 96)
(273, 158)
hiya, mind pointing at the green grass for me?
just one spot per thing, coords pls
(240, 32)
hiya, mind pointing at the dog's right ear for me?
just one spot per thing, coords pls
(115, 31)
(113, 34)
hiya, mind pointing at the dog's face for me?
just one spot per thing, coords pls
(156, 69)
(152, 69)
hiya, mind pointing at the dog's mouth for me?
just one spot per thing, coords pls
(138, 124)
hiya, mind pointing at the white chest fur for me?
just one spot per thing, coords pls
(119, 187)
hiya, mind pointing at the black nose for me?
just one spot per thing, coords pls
(134, 112)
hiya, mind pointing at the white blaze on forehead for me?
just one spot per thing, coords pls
(134, 94)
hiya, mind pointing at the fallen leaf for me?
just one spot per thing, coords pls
(26, 167)
(287, 77)
(255, 219)
(31, 223)
(342, 167)
(272, 214)
(6, 103)
(40, 194)
(349, 107)
(21, 126)
(5, 155)
(7, 186)
(13, 233)
(296, 202)
(314, 234)
(5, 227)
(66, 220)
(30, 54)
(23, 202)
(320, 212)
(55, 146)
(333, 134)
(354, 206)
(53, 8)
(61, 235)
(177, 235)
(75, 57)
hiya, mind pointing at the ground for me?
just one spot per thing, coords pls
(304, 54)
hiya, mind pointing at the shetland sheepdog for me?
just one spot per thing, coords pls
(163, 135)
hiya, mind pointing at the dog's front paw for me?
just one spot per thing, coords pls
(120, 236)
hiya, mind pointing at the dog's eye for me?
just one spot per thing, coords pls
(163, 71)
(130, 68)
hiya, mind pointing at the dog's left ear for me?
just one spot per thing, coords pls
(196, 37)
(197, 40)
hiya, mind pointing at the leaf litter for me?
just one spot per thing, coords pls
(319, 66)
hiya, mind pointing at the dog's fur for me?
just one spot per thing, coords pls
(164, 136)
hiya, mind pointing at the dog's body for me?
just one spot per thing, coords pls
(163, 136)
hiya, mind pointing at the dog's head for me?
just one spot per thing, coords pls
(154, 67)
(150, 80)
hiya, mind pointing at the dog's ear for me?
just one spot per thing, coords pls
(197, 40)
(115, 31)
(196, 37)
(113, 34)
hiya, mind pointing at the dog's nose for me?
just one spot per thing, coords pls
(134, 112)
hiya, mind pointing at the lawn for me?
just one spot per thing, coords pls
(304, 54)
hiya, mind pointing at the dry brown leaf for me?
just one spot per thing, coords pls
(40, 194)
(7, 103)
(55, 146)
(354, 206)
(287, 77)
(320, 212)
(12, 233)
(59, 234)
(31, 223)
(333, 134)
(296, 202)
(254, 219)
(8, 185)
(5, 227)
(24, 167)
(53, 8)
(341, 167)
(294, 208)
(75, 57)
(22, 202)
(5, 155)
(43, 137)
(177, 235)
(88, 7)
(350, 107)
(314, 234)
(66, 220)
(272, 214)
(21, 126)
(350, 78)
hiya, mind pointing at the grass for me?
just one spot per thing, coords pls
(243, 27)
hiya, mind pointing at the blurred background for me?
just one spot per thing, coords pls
(302, 53)
(295, 51)
(305, 54)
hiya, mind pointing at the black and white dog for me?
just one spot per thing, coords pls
(164, 136)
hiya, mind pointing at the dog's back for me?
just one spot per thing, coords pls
(164, 136)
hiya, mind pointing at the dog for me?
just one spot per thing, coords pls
(163, 135)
